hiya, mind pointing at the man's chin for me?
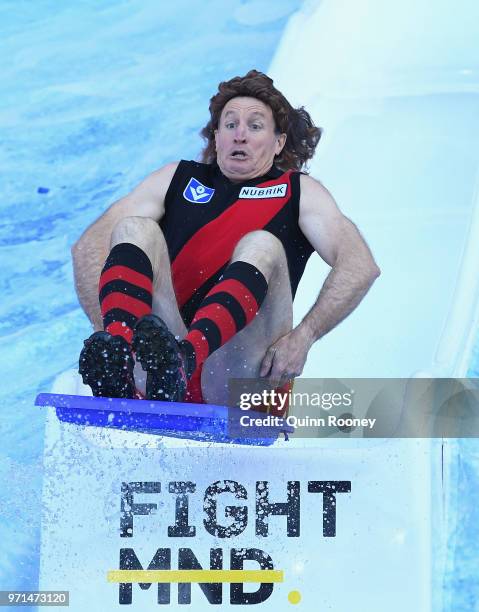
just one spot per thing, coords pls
(241, 170)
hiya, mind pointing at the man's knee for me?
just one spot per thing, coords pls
(261, 248)
(133, 229)
(142, 231)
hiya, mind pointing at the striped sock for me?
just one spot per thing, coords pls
(232, 303)
(126, 289)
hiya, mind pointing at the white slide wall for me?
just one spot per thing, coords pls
(394, 84)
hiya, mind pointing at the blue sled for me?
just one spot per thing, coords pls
(203, 422)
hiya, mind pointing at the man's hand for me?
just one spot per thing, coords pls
(285, 358)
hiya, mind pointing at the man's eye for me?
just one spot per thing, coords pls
(230, 125)
(255, 126)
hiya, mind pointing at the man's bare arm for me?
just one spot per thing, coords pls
(337, 240)
(90, 251)
(339, 243)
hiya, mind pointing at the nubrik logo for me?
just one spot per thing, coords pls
(255, 193)
(220, 572)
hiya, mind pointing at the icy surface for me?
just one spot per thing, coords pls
(93, 97)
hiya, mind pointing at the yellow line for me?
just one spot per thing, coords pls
(148, 576)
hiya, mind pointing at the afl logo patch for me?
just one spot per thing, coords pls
(197, 193)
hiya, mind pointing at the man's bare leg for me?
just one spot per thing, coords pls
(147, 235)
(241, 357)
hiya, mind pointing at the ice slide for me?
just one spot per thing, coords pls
(391, 84)
(394, 84)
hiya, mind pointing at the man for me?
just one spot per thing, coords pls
(212, 253)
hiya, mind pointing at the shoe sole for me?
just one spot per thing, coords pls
(158, 352)
(106, 366)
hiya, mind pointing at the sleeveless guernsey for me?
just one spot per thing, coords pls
(206, 214)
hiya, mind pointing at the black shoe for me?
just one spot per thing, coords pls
(162, 358)
(106, 365)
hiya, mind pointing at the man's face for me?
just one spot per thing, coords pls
(246, 141)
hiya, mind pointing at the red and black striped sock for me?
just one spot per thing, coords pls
(232, 303)
(126, 289)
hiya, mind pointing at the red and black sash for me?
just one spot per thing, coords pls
(211, 247)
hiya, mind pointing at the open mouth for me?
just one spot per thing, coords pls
(237, 154)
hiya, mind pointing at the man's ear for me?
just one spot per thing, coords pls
(280, 142)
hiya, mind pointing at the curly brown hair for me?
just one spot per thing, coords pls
(302, 135)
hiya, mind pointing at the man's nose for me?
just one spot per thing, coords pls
(240, 133)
